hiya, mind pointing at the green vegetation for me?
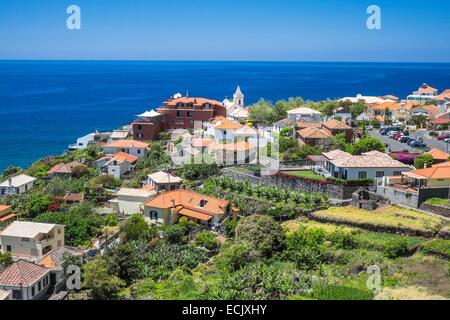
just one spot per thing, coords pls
(423, 160)
(388, 218)
(439, 202)
(307, 174)
(438, 246)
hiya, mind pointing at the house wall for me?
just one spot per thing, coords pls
(221, 135)
(144, 131)
(26, 292)
(353, 173)
(184, 122)
(130, 204)
(118, 170)
(308, 118)
(439, 183)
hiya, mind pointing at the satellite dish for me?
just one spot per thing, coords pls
(177, 95)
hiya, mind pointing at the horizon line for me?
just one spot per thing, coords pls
(220, 60)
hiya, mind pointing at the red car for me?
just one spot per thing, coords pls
(398, 136)
(443, 136)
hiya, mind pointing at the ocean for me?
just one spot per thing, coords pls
(47, 105)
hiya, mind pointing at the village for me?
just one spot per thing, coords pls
(314, 188)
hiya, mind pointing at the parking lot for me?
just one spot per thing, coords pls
(394, 145)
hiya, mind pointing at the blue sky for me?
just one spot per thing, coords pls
(306, 30)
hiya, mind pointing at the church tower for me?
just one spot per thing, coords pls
(238, 97)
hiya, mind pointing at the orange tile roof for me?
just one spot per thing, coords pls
(433, 173)
(196, 101)
(314, 133)
(334, 124)
(7, 217)
(195, 214)
(225, 124)
(126, 144)
(4, 208)
(238, 146)
(122, 156)
(64, 168)
(188, 200)
(444, 95)
(427, 88)
(148, 188)
(302, 124)
(445, 164)
(22, 273)
(438, 154)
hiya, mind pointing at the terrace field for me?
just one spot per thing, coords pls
(307, 174)
(392, 219)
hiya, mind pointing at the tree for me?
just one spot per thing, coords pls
(366, 144)
(262, 232)
(195, 172)
(136, 228)
(283, 106)
(80, 171)
(206, 239)
(423, 160)
(6, 260)
(262, 112)
(175, 234)
(37, 204)
(123, 262)
(235, 256)
(357, 108)
(101, 284)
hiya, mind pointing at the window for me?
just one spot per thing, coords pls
(139, 151)
(203, 203)
(397, 173)
(59, 230)
(39, 286)
(362, 175)
(25, 240)
(8, 248)
(380, 174)
(189, 114)
(32, 291)
(179, 114)
(139, 127)
(59, 243)
(17, 295)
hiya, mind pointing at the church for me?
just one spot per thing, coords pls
(235, 109)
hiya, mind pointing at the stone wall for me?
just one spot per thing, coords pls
(442, 211)
(336, 191)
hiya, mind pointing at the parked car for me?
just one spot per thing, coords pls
(391, 134)
(443, 137)
(398, 136)
(417, 144)
(405, 139)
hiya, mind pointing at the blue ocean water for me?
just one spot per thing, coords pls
(46, 105)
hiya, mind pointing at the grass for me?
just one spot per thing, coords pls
(292, 226)
(439, 202)
(438, 246)
(390, 218)
(381, 240)
(307, 174)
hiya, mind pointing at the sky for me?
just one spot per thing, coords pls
(271, 30)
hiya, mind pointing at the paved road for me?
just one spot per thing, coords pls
(394, 145)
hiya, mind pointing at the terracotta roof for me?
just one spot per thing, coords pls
(122, 157)
(337, 154)
(286, 122)
(440, 121)
(126, 144)
(225, 124)
(22, 273)
(238, 146)
(4, 209)
(426, 88)
(7, 217)
(188, 200)
(195, 214)
(314, 133)
(445, 164)
(337, 125)
(64, 168)
(444, 95)
(197, 143)
(438, 154)
(196, 101)
(373, 159)
(302, 124)
(433, 172)
(55, 259)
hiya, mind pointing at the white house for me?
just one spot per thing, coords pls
(31, 240)
(367, 99)
(369, 165)
(283, 124)
(89, 140)
(117, 165)
(133, 147)
(235, 108)
(17, 185)
(424, 93)
(131, 201)
(119, 135)
(303, 113)
(162, 181)
(25, 280)
(344, 114)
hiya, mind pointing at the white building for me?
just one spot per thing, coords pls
(162, 181)
(119, 135)
(367, 99)
(89, 140)
(306, 114)
(424, 93)
(31, 240)
(25, 280)
(17, 185)
(236, 108)
(131, 201)
(369, 165)
(117, 165)
(133, 147)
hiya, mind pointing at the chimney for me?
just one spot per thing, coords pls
(10, 183)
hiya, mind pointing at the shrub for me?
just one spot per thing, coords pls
(235, 256)
(335, 292)
(423, 160)
(136, 228)
(396, 248)
(101, 285)
(175, 234)
(207, 240)
(262, 232)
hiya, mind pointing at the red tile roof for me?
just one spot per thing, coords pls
(197, 102)
(126, 144)
(22, 273)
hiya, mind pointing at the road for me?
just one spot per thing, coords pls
(394, 145)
